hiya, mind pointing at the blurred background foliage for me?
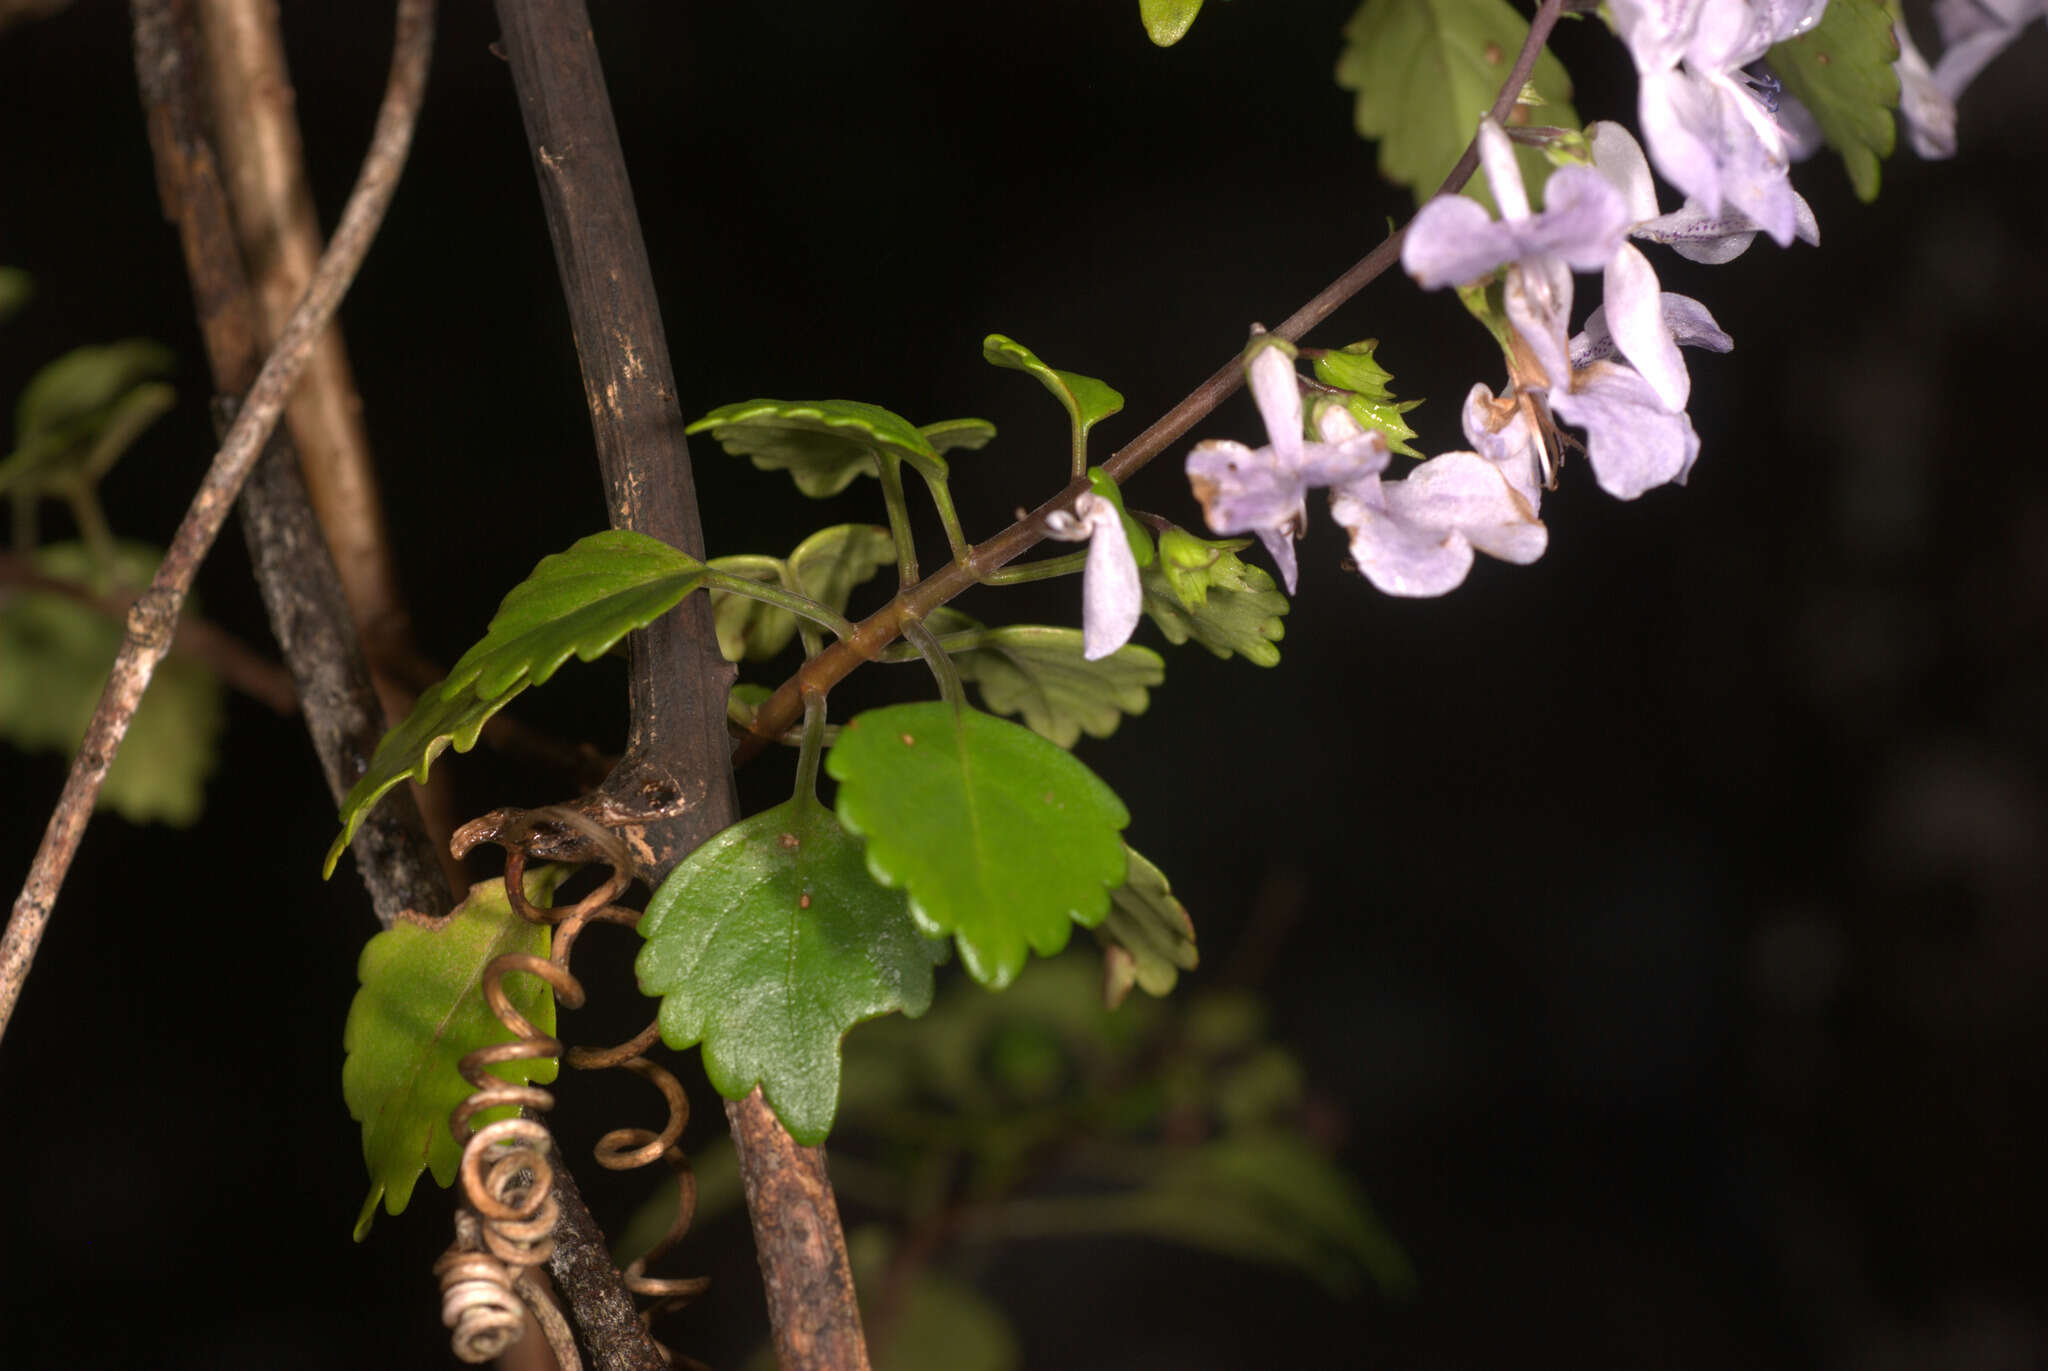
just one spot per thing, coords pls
(1654, 934)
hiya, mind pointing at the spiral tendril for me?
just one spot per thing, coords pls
(488, 1275)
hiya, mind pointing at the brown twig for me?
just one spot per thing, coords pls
(301, 590)
(782, 709)
(151, 622)
(677, 758)
(254, 130)
(256, 135)
(197, 640)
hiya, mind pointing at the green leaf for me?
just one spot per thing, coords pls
(1148, 939)
(1135, 533)
(948, 435)
(832, 562)
(55, 652)
(766, 945)
(420, 1010)
(822, 444)
(16, 289)
(1425, 70)
(999, 837)
(1200, 590)
(1168, 21)
(749, 628)
(79, 414)
(1039, 672)
(827, 566)
(1087, 401)
(1270, 1197)
(580, 601)
(1841, 70)
(744, 701)
(1354, 369)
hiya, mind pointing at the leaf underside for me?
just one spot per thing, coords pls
(824, 445)
(1150, 929)
(420, 1010)
(1228, 606)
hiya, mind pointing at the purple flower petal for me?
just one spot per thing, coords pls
(1277, 391)
(1111, 597)
(1687, 320)
(1503, 432)
(1618, 157)
(1633, 443)
(1416, 537)
(1538, 301)
(1634, 309)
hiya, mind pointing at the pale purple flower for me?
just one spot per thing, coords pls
(1453, 241)
(1689, 231)
(1416, 536)
(1708, 132)
(1975, 31)
(1637, 434)
(1111, 598)
(1265, 490)
(1929, 112)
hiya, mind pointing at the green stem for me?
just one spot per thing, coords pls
(93, 530)
(813, 747)
(804, 607)
(1080, 452)
(1036, 571)
(813, 643)
(942, 499)
(950, 689)
(967, 640)
(899, 519)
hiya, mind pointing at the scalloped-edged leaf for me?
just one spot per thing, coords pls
(1039, 673)
(420, 1010)
(1841, 70)
(961, 435)
(1148, 938)
(80, 413)
(766, 945)
(749, 628)
(999, 836)
(16, 290)
(1168, 21)
(1425, 70)
(55, 652)
(828, 566)
(833, 562)
(822, 444)
(1199, 589)
(1087, 401)
(576, 602)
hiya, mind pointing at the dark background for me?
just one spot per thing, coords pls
(1663, 922)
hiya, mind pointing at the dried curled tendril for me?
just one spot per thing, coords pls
(489, 1275)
